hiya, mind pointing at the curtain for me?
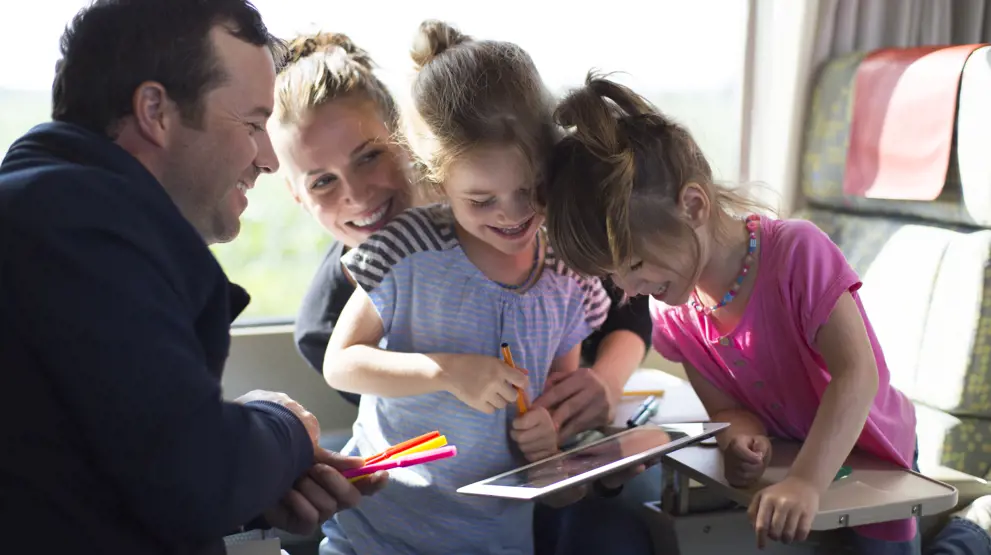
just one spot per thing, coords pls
(863, 25)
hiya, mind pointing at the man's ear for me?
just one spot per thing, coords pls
(154, 112)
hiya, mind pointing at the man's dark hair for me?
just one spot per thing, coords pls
(112, 46)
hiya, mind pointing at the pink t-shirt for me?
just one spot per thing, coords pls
(770, 364)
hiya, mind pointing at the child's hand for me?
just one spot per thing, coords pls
(745, 459)
(535, 433)
(482, 382)
(784, 512)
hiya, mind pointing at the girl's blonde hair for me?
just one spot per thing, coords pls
(615, 180)
(324, 67)
(474, 93)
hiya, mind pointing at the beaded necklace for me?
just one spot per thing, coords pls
(752, 222)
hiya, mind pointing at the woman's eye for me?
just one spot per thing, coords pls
(323, 181)
(370, 156)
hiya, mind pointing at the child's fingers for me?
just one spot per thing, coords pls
(538, 449)
(740, 478)
(744, 454)
(746, 467)
(779, 521)
(742, 466)
(515, 376)
(761, 512)
(804, 526)
(534, 418)
(752, 509)
(534, 435)
(506, 392)
(761, 529)
(761, 446)
(524, 422)
(754, 457)
(789, 532)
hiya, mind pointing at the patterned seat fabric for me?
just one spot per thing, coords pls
(926, 268)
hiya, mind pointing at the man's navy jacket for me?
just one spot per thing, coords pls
(114, 329)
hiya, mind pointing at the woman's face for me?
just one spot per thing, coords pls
(345, 169)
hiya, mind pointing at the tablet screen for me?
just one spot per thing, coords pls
(631, 443)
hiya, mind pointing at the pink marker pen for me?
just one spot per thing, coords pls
(409, 460)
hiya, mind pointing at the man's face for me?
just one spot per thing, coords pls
(210, 169)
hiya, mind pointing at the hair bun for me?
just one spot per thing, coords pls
(599, 110)
(433, 38)
(306, 45)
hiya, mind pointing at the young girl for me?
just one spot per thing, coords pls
(440, 289)
(763, 313)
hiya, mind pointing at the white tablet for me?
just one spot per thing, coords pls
(594, 460)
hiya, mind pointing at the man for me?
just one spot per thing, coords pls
(114, 315)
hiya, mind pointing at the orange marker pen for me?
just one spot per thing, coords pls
(521, 398)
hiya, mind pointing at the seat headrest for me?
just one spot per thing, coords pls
(965, 198)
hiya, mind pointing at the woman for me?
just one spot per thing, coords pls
(335, 128)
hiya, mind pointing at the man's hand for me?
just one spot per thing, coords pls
(578, 401)
(338, 462)
(321, 493)
(306, 417)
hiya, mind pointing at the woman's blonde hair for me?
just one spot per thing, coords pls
(615, 180)
(471, 93)
(324, 67)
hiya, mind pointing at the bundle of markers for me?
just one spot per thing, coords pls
(423, 449)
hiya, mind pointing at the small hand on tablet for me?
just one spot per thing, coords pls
(535, 434)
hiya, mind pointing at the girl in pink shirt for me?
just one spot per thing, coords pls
(763, 313)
